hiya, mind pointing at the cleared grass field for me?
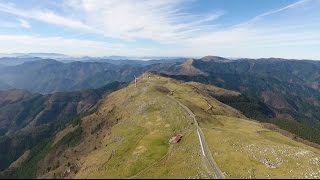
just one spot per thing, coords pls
(137, 146)
(244, 149)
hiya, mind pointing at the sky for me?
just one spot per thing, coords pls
(188, 28)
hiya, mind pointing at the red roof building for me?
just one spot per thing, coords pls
(175, 139)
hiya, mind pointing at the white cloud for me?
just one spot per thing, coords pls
(45, 16)
(290, 28)
(74, 47)
(280, 10)
(24, 24)
(161, 21)
(15, 24)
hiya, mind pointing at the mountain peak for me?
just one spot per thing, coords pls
(188, 68)
(214, 58)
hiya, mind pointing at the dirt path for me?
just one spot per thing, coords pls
(204, 146)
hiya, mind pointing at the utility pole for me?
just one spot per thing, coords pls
(135, 81)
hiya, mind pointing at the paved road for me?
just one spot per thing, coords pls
(204, 146)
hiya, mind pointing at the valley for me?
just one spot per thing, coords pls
(27, 119)
(131, 128)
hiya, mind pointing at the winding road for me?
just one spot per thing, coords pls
(212, 165)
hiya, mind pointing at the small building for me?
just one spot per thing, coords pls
(175, 139)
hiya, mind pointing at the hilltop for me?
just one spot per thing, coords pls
(128, 137)
(280, 91)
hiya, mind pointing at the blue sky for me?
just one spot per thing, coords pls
(230, 28)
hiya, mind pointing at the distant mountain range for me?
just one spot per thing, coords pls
(39, 55)
(47, 76)
(19, 58)
(13, 61)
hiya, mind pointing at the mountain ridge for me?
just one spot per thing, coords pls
(132, 127)
(27, 118)
(272, 91)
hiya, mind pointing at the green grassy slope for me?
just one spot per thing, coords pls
(245, 149)
(128, 137)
